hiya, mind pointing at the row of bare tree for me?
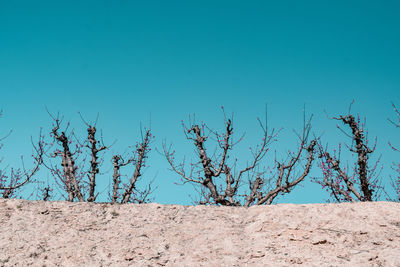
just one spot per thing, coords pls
(217, 174)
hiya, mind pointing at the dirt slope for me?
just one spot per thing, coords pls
(80, 234)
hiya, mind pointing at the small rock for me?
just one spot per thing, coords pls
(258, 254)
(324, 241)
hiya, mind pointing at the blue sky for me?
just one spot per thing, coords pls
(129, 60)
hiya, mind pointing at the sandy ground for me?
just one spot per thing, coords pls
(36, 233)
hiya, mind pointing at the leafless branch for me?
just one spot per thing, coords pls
(336, 178)
(208, 170)
(17, 175)
(142, 151)
(68, 162)
(94, 164)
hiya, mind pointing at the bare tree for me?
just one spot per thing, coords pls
(70, 182)
(346, 184)
(76, 186)
(16, 178)
(396, 166)
(118, 162)
(131, 193)
(208, 170)
(94, 154)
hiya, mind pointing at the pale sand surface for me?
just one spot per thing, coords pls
(36, 233)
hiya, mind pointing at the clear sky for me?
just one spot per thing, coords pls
(129, 59)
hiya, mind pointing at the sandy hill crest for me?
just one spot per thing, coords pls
(37, 233)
